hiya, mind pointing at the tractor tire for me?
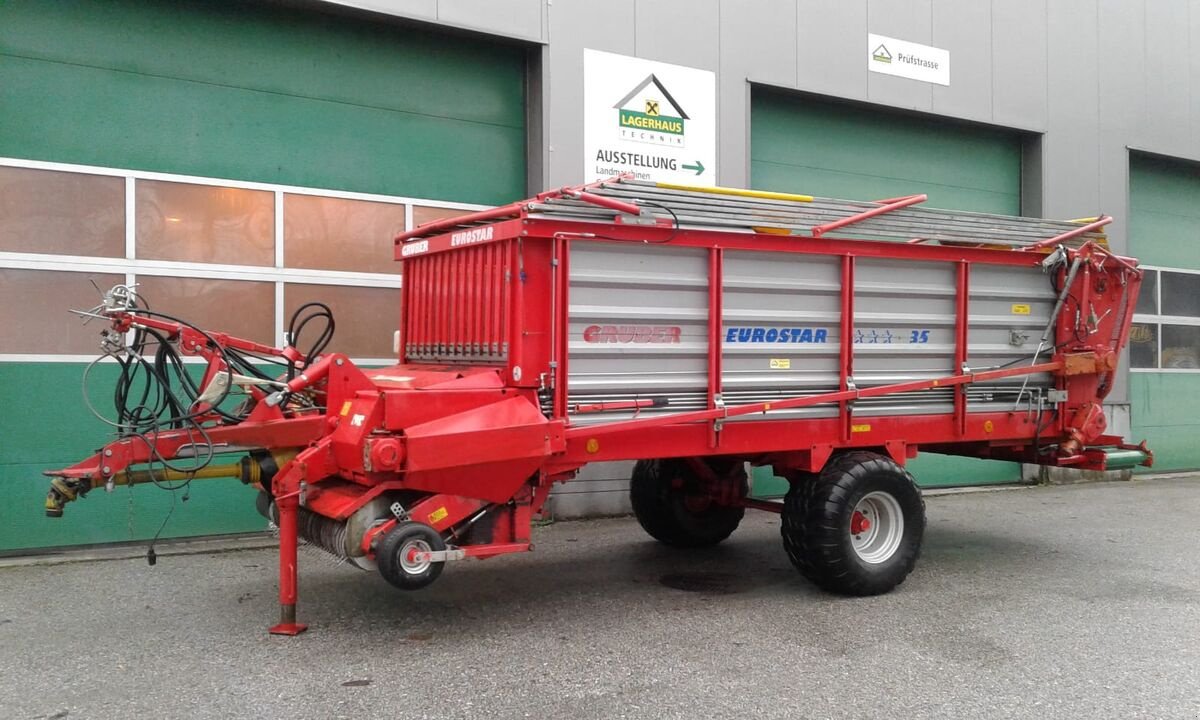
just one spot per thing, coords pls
(394, 555)
(663, 505)
(855, 528)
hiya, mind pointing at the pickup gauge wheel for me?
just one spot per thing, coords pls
(677, 507)
(856, 528)
(398, 555)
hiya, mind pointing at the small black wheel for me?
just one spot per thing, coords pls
(670, 502)
(856, 528)
(396, 555)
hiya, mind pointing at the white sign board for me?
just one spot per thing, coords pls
(908, 59)
(655, 120)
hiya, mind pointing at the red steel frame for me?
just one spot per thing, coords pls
(473, 439)
(1004, 432)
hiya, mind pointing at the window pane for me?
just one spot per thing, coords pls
(1147, 302)
(1181, 346)
(366, 318)
(237, 307)
(200, 223)
(45, 211)
(1143, 345)
(422, 215)
(34, 311)
(335, 234)
(1180, 295)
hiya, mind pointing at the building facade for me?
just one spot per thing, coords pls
(237, 159)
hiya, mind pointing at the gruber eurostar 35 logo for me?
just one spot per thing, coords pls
(649, 114)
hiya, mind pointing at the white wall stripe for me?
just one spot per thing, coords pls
(170, 268)
(197, 180)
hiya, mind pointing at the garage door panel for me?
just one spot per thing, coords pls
(881, 154)
(1164, 205)
(826, 182)
(256, 46)
(242, 134)
(346, 124)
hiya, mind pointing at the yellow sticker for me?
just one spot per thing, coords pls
(781, 363)
(592, 446)
(345, 408)
(1020, 309)
(860, 428)
(436, 515)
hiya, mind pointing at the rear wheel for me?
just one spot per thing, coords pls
(398, 555)
(855, 528)
(678, 506)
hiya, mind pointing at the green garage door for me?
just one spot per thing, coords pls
(262, 92)
(1164, 205)
(803, 145)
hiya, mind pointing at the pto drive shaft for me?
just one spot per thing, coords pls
(64, 489)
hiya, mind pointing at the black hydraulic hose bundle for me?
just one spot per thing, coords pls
(296, 327)
(158, 393)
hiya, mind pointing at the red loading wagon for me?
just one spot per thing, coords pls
(694, 330)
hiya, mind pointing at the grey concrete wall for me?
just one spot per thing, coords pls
(518, 19)
(1091, 78)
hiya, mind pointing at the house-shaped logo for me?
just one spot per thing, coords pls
(650, 114)
(881, 54)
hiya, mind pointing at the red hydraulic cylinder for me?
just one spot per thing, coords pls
(1081, 230)
(610, 203)
(890, 205)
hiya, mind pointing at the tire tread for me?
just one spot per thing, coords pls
(811, 525)
(650, 496)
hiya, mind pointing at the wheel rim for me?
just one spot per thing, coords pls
(876, 527)
(408, 557)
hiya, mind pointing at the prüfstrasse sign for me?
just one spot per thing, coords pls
(655, 120)
(901, 58)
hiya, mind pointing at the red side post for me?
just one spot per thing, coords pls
(513, 308)
(962, 309)
(716, 260)
(562, 323)
(846, 346)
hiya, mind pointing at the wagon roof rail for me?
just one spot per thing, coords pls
(755, 211)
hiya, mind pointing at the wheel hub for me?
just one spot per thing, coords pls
(876, 527)
(411, 556)
(859, 523)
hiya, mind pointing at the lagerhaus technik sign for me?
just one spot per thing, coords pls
(653, 119)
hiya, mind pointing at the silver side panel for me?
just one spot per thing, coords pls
(638, 324)
(1009, 309)
(766, 294)
(903, 330)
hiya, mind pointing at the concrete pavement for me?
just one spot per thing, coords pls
(1049, 602)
